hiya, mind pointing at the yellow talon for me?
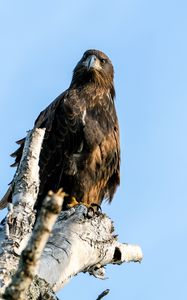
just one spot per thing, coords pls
(73, 202)
(92, 206)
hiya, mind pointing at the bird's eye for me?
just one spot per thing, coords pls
(103, 60)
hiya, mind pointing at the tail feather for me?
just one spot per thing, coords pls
(6, 198)
(21, 141)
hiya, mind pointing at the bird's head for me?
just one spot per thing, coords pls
(94, 67)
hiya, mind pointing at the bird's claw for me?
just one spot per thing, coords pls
(93, 209)
(73, 202)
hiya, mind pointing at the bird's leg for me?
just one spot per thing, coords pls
(72, 202)
(92, 208)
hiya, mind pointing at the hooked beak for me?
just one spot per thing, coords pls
(92, 62)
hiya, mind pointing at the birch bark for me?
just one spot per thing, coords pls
(79, 242)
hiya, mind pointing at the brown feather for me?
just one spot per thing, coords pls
(6, 198)
(81, 150)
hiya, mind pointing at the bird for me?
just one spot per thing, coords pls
(81, 147)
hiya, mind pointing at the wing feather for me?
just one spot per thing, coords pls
(62, 137)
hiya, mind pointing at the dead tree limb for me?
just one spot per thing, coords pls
(80, 241)
(103, 294)
(30, 256)
(17, 227)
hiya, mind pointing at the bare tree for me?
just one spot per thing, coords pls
(66, 242)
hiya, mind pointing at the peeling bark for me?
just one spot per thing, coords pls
(81, 241)
(30, 256)
(83, 244)
(16, 229)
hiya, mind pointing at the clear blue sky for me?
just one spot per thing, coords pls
(41, 41)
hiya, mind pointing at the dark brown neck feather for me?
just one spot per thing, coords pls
(82, 77)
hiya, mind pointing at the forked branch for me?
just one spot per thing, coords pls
(80, 241)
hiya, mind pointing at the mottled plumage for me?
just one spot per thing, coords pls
(80, 151)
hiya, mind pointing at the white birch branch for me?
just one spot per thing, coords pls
(21, 217)
(30, 256)
(80, 241)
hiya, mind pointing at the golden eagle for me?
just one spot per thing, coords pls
(80, 151)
